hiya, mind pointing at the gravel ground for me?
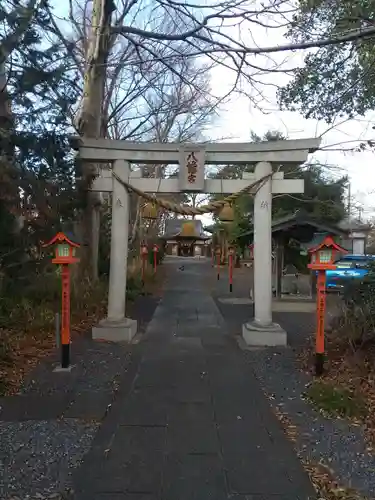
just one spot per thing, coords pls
(49, 426)
(39, 447)
(335, 442)
(37, 457)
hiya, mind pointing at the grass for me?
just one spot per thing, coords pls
(336, 401)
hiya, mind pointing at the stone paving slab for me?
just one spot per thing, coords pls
(190, 420)
(298, 325)
(88, 405)
(33, 407)
(194, 477)
(123, 496)
(196, 438)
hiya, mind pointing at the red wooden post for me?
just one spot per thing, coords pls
(230, 262)
(144, 253)
(155, 250)
(320, 316)
(218, 254)
(65, 316)
(64, 255)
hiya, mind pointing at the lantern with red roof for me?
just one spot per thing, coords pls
(323, 257)
(65, 254)
(65, 248)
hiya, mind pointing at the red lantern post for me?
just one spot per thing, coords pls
(322, 259)
(230, 264)
(144, 254)
(251, 251)
(155, 249)
(64, 255)
(218, 255)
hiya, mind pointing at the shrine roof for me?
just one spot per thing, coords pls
(351, 224)
(173, 229)
(300, 219)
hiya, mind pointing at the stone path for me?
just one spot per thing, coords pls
(189, 420)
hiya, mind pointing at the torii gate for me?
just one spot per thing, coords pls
(117, 155)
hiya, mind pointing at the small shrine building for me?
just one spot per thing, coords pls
(186, 238)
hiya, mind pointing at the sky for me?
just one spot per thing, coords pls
(238, 117)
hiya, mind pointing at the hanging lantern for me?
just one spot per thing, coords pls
(226, 213)
(150, 211)
(188, 229)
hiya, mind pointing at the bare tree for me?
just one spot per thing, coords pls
(142, 39)
(176, 112)
(123, 98)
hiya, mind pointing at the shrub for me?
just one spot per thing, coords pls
(33, 305)
(30, 303)
(357, 319)
(135, 286)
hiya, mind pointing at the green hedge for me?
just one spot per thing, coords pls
(357, 321)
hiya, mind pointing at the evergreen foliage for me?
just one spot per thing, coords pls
(336, 80)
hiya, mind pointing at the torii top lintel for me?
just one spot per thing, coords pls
(192, 159)
(108, 150)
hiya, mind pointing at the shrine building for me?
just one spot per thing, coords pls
(186, 238)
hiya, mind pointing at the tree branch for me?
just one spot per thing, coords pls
(221, 47)
(11, 41)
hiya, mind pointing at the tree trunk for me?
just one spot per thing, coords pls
(90, 124)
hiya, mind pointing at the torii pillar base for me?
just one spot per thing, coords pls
(257, 335)
(115, 331)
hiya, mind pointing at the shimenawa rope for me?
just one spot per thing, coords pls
(187, 209)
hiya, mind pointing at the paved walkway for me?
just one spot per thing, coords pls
(190, 421)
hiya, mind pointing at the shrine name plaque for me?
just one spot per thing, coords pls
(191, 175)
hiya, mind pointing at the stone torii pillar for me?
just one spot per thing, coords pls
(262, 331)
(116, 327)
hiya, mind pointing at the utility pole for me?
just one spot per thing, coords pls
(360, 211)
(349, 200)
